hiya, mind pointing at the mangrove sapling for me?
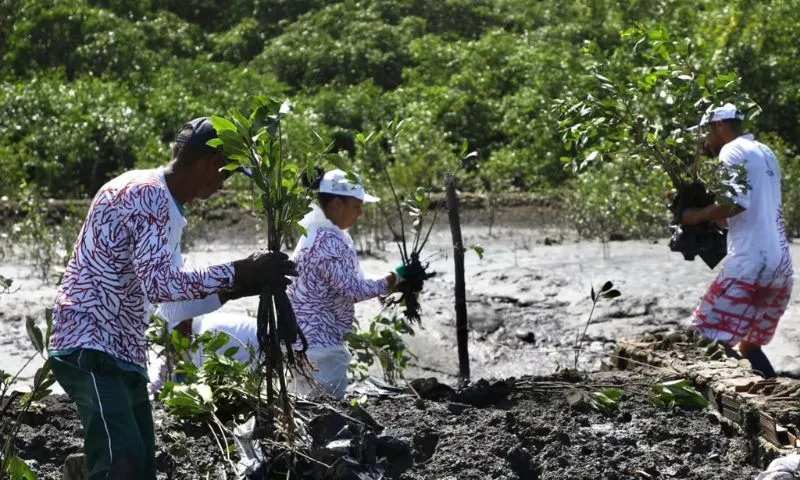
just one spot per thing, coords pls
(606, 292)
(43, 379)
(642, 118)
(220, 390)
(416, 206)
(382, 340)
(677, 393)
(257, 142)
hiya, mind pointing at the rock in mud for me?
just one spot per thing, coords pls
(525, 335)
(431, 389)
(75, 467)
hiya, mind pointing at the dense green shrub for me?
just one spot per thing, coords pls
(343, 43)
(72, 35)
(74, 135)
(92, 87)
(625, 198)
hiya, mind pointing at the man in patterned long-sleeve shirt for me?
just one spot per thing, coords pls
(123, 262)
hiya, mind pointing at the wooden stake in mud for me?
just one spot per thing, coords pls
(462, 334)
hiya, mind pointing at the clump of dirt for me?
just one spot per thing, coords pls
(509, 433)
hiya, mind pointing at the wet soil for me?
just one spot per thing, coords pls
(51, 431)
(527, 298)
(532, 436)
(524, 435)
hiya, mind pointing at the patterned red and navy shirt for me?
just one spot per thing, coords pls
(122, 263)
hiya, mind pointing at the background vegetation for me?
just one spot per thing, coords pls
(89, 88)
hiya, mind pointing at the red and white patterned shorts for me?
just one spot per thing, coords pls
(734, 310)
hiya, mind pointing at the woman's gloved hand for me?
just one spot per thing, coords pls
(412, 276)
(401, 273)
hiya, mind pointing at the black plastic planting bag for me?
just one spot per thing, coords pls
(708, 240)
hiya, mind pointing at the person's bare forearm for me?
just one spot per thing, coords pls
(712, 213)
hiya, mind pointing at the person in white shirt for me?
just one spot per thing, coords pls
(241, 330)
(749, 296)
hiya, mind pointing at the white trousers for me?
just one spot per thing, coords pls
(330, 365)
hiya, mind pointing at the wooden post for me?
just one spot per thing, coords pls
(461, 296)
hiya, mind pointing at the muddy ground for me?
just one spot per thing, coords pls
(527, 435)
(527, 298)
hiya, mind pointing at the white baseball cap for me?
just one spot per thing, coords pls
(718, 114)
(336, 182)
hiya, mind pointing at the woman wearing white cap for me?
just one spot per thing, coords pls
(330, 279)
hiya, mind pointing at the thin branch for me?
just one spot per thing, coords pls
(403, 249)
(579, 340)
(427, 235)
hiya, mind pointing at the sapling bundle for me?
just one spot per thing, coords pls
(256, 142)
(416, 271)
(645, 114)
(416, 207)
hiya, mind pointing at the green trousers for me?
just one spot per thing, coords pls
(119, 437)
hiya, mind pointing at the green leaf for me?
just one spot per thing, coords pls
(678, 393)
(602, 401)
(353, 178)
(48, 319)
(477, 248)
(589, 158)
(230, 352)
(613, 393)
(242, 124)
(218, 341)
(232, 166)
(222, 125)
(606, 287)
(612, 294)
(19, 470)
(35, 335)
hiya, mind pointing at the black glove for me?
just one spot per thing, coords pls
(707, 240)
(691, 195)
(260, 270)
(242, 291)
(287, 321)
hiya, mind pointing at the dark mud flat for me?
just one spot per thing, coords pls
(531, 436)
(52, 431)
(524, 435)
